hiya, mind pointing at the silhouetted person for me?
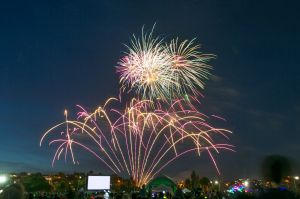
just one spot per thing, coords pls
(149, 192)
(160, 195)
(14, 191)
(178, 194)
(30, 196)
(56, 196)
(106, 195)
(278, 194)
(245, 196)
(143, 192)
(133, 195)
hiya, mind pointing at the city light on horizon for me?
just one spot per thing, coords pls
(3, 179)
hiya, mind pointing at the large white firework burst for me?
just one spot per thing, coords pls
(145, 67)
(154, 69)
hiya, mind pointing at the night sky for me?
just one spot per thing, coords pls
(56, 54)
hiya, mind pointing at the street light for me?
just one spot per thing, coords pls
(217, 184)
(296, 177)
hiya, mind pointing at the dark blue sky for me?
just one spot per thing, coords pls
(56, 54)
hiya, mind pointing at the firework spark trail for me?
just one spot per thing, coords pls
(85, 129)
(90, 117)
(181, 127)
(142, 139)
(227, 147)
(152, 167)
(153, 68)
(160, 125)
(188, 66)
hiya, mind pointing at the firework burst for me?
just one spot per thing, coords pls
(158, 126)
(145, 67)
(155, 69)
(141, 140)
(189, 67)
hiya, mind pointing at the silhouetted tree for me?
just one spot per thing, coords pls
(278, 194)
(61, 175)
(61, 186)
(194, 180)
(35, 182)
(187, 183)
(275, 167)
(14, 191)
(70, 194)
(204, 182)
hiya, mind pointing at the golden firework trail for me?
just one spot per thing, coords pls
(140, 140)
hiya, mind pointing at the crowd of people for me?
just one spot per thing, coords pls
(16, 191)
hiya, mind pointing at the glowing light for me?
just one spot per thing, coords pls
(296, 177)
(246, 183)
(155, 69)
(216, 182)
(3, 179)
(237, 188)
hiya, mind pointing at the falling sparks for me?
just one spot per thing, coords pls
(142, 139)
(161, 124)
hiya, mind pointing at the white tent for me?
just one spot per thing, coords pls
(186, 190)
(162, 188)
